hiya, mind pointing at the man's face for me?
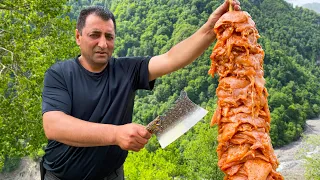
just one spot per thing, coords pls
(97, 40)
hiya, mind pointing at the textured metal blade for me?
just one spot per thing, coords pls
(177, 120)
(179, 127)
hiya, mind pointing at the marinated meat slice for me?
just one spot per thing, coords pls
(233, 169)
(257, 169)
(236, 152)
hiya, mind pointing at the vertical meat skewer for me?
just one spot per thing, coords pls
(242, 115)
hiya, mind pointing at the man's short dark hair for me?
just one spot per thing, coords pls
(103, 13)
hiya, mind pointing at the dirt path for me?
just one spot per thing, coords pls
(291, 166)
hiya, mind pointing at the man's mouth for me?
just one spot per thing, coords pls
(101, 52)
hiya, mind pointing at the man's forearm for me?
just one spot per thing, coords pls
(183, 53)
(75, 132)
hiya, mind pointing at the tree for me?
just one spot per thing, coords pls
(34, 35)
(161, 164)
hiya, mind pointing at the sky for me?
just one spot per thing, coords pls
(301, 2)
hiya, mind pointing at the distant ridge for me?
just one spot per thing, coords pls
(313, 6)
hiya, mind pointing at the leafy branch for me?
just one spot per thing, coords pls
(3, 66)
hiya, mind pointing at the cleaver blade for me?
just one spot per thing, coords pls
(177, 120)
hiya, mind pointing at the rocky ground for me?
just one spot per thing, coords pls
(290, 163)
(290, 166)
(28, 170)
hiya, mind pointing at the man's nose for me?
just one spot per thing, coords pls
(103, 42)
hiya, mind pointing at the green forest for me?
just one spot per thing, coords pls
(36, 34)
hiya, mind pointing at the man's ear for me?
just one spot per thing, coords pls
(78, 35)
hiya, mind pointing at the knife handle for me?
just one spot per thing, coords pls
(154, 126)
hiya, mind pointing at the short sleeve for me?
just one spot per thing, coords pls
(55, 95)
(141, 74)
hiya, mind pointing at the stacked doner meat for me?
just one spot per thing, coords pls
(245, 151)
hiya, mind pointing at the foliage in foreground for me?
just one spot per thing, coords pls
(311, 155)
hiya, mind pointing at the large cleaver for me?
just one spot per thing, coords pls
(179, 119)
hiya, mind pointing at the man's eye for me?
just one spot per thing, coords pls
(109, 37)
(94, 35)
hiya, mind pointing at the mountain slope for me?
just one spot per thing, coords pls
(290, 37)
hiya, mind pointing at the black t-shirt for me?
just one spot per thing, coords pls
(106, 97)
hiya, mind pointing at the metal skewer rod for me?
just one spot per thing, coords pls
(230, 5)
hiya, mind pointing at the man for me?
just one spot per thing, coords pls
(88, 101)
